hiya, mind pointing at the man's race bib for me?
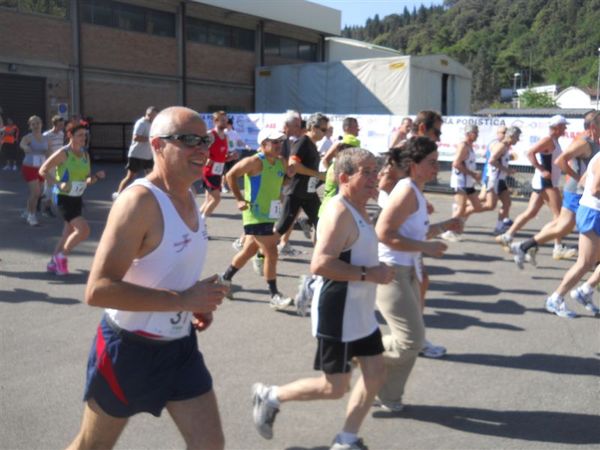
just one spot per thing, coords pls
(77, 188)
(217, 168)
(169, 324)
(312, 185)
(275, 210)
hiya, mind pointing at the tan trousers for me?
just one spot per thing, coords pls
(400, 304)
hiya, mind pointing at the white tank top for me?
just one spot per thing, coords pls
(494, 173)
(345, 310)
(175, 264)
(414, 227)
(587, 199)
(459, 180)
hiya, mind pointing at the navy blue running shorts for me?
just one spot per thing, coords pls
(128, 373)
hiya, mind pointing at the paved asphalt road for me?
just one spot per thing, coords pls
(515, 376)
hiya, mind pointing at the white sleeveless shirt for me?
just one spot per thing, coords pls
(587, 199)
(175, 264)
(414, 227)
(345, 310)
(459, 180)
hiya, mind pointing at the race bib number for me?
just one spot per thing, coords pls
(38, 160)
(275, 210)
(217, 168)
(77, 188)
(173, 325)
(312, 185)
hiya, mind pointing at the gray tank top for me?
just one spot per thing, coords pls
(38, 152)
(579, 165)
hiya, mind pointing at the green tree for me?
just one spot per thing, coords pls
(531, 99)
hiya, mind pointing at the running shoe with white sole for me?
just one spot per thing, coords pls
(564, 252)
(356, 445)
(279, 301)
(519, 254)
(51, 266)
(263, 413)
(504, 240)
(288, 250)
(585, 300)
(306, 228)
(237, 245)
(388, 406)
(450, 236)
(559, 308)
(32, 220)
(62, 265)
(431, 350)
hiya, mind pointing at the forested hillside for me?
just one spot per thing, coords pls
(547, 41)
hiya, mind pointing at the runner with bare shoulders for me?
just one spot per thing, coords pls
(145, 273)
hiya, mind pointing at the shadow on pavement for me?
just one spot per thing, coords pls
(499, 307)
(560, 364)
(471, 289)
(450, 321)
(25, 295)
(540, 426)
(79, 277)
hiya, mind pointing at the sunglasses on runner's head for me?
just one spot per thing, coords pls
(190, 140)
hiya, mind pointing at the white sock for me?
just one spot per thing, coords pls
(586, 288)
(272, 397)
(556, 297)
(557, 245)
(346, 438)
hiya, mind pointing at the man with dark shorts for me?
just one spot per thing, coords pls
(139, 158)
(301, 192)
(212, 175)
(343, 311)
(145, 273)
(261, 206)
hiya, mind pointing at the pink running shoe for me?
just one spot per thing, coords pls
(61, 265)
(51, 266)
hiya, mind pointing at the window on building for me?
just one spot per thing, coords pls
(161, 23)
(219, 34)
(58, 8)
(289, 48)
(128, 17)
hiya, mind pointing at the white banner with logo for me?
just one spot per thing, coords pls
(376, 131)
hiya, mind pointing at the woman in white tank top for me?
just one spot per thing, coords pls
(403, 229)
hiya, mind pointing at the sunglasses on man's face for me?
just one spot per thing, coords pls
(190, 140)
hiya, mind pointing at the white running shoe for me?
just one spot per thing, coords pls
(238, 245)
(114, 196)
(7, 167)
(32, 220)
(306, 228)
(564, 252)
(450, 236)
(356, 445)
(559, 308)
(585, 300)
(431, 350)
(519, 254)
(279, 301)
(263, 413)
(288, 250)
(388, 406)
(258, 264)
(504, 240)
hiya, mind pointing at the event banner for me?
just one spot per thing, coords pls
(376, 131)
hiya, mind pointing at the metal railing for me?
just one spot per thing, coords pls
(110, 140)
